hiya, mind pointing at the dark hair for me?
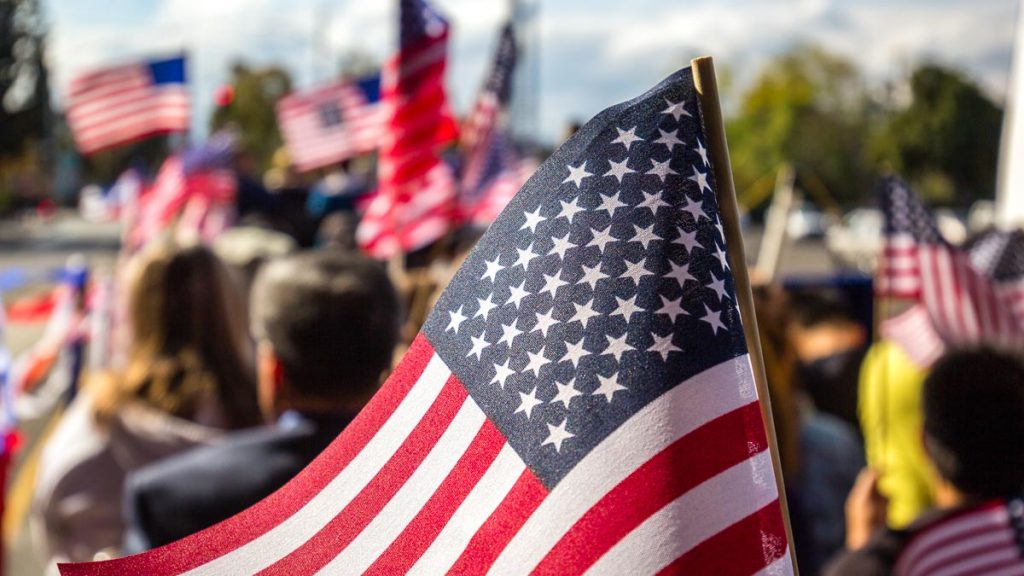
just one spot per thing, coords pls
(332, 319)
(974, 421)
(809, 308)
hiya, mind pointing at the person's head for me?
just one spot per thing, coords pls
(189, 353)
(821, 324)
(326, 323)
(973, 404)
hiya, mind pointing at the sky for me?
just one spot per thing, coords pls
(586, 55)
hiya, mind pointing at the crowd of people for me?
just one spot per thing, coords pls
(244, 359)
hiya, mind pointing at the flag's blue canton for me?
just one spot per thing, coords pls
(418, 20)
(602, 285)
(904, 214)
(170, 71)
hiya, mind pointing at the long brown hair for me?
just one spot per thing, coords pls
(188, 342)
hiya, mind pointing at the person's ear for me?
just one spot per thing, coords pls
(270, 379)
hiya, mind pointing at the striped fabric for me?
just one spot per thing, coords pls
(121, 104)
(415, 201)
(332, 123)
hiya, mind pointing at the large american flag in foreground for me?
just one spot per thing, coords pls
(326, 125)
(984, 539)
(580, 400)
(415, 201)
(122, 104)
(972, 294)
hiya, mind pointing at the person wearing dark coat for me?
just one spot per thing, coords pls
(325, 324)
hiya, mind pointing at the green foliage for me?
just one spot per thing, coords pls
(947, 139)
(24, 94)
(251, 113)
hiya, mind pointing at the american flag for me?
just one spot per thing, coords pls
(972, 294)
(984, 539)
(122, 104)
(331, 123)
(580, 399)
(415, 201)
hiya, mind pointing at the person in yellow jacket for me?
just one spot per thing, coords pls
(889, 404)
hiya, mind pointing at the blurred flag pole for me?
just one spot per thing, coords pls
(776, 239)
(714, 129)
(1010, 183)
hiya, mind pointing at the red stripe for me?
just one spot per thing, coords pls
(438, 510)
(506, 520)
(687, 462)
(316, 552)
(925, 566)
(723, 554)
(220, 539)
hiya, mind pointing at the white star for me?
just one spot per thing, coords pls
(609, 386)
(680, 273)
(537, 361)
(492, 269)
(525, 256)
(663, 345)
(592, 275)
(566, 392)
(619, 169)
(626, 308)
(660, 169)
(645, 235)
(703, 152)
(718, 285)
(584, 312)
(669, 139)
(722, 258)
(532, 219)
(478, 346)
(676, 109)
(557, 435)
(688, 240)
(552, 283)
(602, 238)
(577, 174)
(545, 321)
(456, 320)
(527, 402)
(672, 308)
(652, 201)
(714, 319)
(570, 209)
(636, 271)
(694, 209)
(718, 226)
(501, 373)
(610, 203)
(508, 333)
(617, 346)
(562, 245)
(485, 307)
(574, 352)
(517, 293)
(626, 137)
(700, 178)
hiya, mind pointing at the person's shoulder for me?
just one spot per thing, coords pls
(876, 558)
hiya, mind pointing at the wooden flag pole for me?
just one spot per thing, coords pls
(711, 110)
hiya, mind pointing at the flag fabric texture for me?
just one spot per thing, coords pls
(332, 123)
(415, 200)
(984, 539)
(122, 104)
(580, 400)
(493, 170)
(972, 294)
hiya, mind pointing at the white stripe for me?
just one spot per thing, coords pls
(693, 517)
(971, 565)
(409, 500)
(985, 518)
(781, 567)
(478, 506)
(155, 102)
(949, 306)
(684, 408)
(930, 292)
(284, 538)
(968, 297)
(928, 564)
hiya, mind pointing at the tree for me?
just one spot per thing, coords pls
(251, 111)
(809, 108)
(24, 93)
(947, 139)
